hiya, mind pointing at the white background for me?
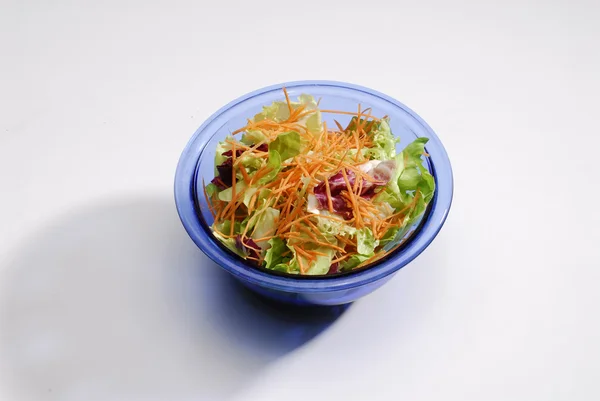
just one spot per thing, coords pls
(104, 297)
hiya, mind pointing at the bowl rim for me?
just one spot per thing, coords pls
(185, 194)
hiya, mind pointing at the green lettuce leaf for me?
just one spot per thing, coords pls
(266, 225)
(287, 144)
(322, 263)
(414, 151)
(395, 235)
(368, 126)
(261, 202)
(225, 227)
(274, 164)
(408, 163)
(251, 162)
(222, 147)
(307, 101)
(427, 184)
(352, 153)
(286, 267)
(334, 227)
(353, 261)
(366, 242)
(253, 137)
(273, 256)
(263, 198)
(409, 179)
(230, 244)
(313, 121)
(248, 194)
(389, 236)
(418, 208)
(384, 143)
(261, 206)
(226, 194)
(320, 266)
(390, 196)
(211, 189)
(278, 111)
(412, 169)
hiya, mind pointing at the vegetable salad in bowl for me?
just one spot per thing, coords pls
(292, 195)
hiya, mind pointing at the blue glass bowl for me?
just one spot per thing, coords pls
(197, 163)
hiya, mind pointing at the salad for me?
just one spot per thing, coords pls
(293, 195)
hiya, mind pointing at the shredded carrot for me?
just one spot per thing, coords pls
(259, 174)
(372, 259)
(252, 202)
(282, 189)
(341, 258)
(407, 207)
(344, 112)
(305, 113)
(223, 234)
(268, 237)
(287, 99)
(345, 240)
(303, 253)
(312, 225)
(311, 215)
(355, 188)
(342, 159)
(308, 232)
(302, 268)
(352, 200)
(328, 192)
(245, 174)
(306, 173)
(328, 245)
(296, 211)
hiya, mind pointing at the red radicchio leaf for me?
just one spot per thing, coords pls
(384, 171)
(229, 153)
(369, 193)
(225, 170)
(334, 268)
(336, 185)
(248, 246)
(340, 205)
(263, 148)
(219, 183)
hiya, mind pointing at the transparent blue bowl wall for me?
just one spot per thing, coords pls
(197, 163)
